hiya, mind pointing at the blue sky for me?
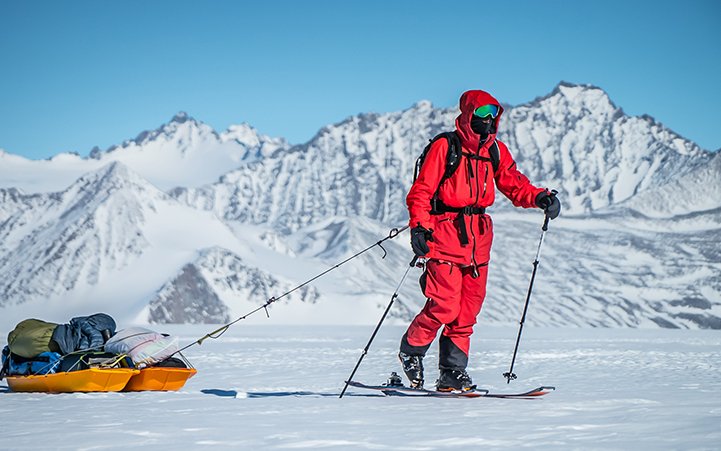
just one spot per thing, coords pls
(76, 74)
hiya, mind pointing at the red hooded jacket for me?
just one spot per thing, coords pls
(466, 188)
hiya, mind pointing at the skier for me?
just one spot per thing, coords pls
(450, 228)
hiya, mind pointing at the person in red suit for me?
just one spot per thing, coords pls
(451, 230)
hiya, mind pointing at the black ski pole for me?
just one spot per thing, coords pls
(390, 304)
(510, 375)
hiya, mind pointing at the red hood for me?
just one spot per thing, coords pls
(470, 100)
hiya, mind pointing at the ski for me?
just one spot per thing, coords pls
(540, 391)
(402, 390)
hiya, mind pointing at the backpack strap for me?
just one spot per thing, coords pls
(453, 157)
(495, 153)
(453, 160)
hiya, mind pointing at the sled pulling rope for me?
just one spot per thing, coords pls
(221, 330)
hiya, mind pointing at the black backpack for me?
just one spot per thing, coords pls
(453, 157)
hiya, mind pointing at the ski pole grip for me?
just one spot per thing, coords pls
(546, 219)
(414, 261)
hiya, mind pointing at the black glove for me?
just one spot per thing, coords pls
(549, 203)
(419, 237)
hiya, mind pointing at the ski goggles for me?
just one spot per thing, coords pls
(487, 110)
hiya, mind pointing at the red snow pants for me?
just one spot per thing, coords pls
(454, 300)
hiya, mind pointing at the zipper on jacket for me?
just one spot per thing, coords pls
(473, 233)
(485, 181)
(470, 176)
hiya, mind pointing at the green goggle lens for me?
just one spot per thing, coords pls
(487, 110)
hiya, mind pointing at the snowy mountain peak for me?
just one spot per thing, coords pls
(577, 100)
(422, 105)
(181, 117)
(182, 152)
(564, 86)
(575, 139)
(247, 136)
(180, 129)
(72, 237)
(242, 132)
(114, 169)
(571, 90)
(112, 176)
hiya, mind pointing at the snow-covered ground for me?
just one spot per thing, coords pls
(620, 389)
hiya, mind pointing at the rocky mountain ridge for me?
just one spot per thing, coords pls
(637, 244)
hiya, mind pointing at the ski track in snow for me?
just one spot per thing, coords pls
(621, 389)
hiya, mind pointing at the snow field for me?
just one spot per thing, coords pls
(648, 389)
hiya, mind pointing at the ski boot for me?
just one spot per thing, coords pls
(454, 380)
(413, 367)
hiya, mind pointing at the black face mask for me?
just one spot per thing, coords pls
(482, 128)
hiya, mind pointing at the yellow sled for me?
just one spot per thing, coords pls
(160, 379)
(90, 380)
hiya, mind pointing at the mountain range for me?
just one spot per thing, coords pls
(184, 224)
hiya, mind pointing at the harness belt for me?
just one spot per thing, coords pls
(440, 208)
